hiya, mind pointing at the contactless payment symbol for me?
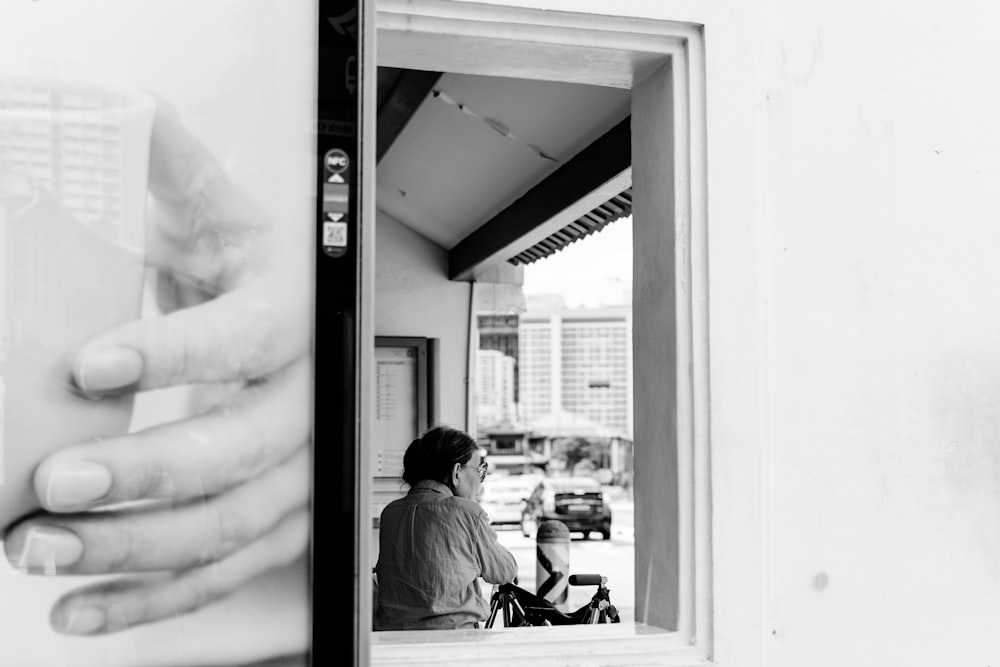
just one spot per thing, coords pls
(336, 163)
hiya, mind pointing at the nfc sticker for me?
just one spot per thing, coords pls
(336, 162)
(336, 202)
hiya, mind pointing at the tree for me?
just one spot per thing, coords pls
(578, 449)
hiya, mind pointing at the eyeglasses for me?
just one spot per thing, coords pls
(480, 470)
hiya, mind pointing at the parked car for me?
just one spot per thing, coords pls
(578, 502)
(503, 497)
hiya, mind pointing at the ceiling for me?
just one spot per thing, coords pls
(487, 167)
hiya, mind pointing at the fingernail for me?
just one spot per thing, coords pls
(104, 369)
(85, 621)
(49, 548)
(117, 620)
(76, 483)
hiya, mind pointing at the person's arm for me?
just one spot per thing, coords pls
(499, 565)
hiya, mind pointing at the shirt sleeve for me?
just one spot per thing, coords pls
(498, 564)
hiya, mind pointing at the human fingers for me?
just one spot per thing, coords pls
(242, 335)
(247, 433)
(119, 604)
(203, 208)
(206, 233)
(144, 540)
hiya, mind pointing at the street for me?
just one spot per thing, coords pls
(614, 559)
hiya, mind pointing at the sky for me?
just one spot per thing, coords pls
(594, 271)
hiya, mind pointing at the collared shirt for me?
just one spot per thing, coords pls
(433, 547)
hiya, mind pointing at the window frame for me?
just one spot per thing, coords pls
(625, 52)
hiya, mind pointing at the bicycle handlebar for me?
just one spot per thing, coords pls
(586, 580)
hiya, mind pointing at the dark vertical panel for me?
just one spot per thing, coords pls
(335, 545)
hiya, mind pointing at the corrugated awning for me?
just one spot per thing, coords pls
(593, 221)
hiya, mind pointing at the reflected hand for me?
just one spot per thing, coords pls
(195, 508)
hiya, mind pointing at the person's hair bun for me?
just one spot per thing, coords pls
(432, 455)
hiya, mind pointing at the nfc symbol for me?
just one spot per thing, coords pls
(336, 163)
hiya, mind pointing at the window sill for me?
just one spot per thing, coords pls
(578, 645)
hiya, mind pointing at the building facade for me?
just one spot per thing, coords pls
(495, 387)
(71, 143)
(580, 361)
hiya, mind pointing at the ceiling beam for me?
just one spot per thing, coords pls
(594, 175)
(408, 92)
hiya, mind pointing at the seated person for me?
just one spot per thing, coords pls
(435, 542)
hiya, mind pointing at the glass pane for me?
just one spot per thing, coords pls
(156, 207)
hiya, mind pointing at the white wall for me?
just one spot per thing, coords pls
(413, 297)
(853, 230)
(884, 395)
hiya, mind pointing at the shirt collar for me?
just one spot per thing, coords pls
(433, 486)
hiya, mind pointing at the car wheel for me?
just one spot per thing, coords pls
(605, 534)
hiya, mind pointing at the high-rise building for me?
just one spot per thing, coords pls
(499, 331)
(494, 389)
(71, 226)
(73, 147)
(577, 360)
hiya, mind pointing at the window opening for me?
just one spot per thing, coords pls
(553, 398)
(662, 64)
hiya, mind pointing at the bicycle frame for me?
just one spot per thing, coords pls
(518, 607)
(505, 599)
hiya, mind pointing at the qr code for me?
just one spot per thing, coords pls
(335, 234)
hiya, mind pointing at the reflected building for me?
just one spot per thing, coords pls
(65, 211)
(69, 141)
